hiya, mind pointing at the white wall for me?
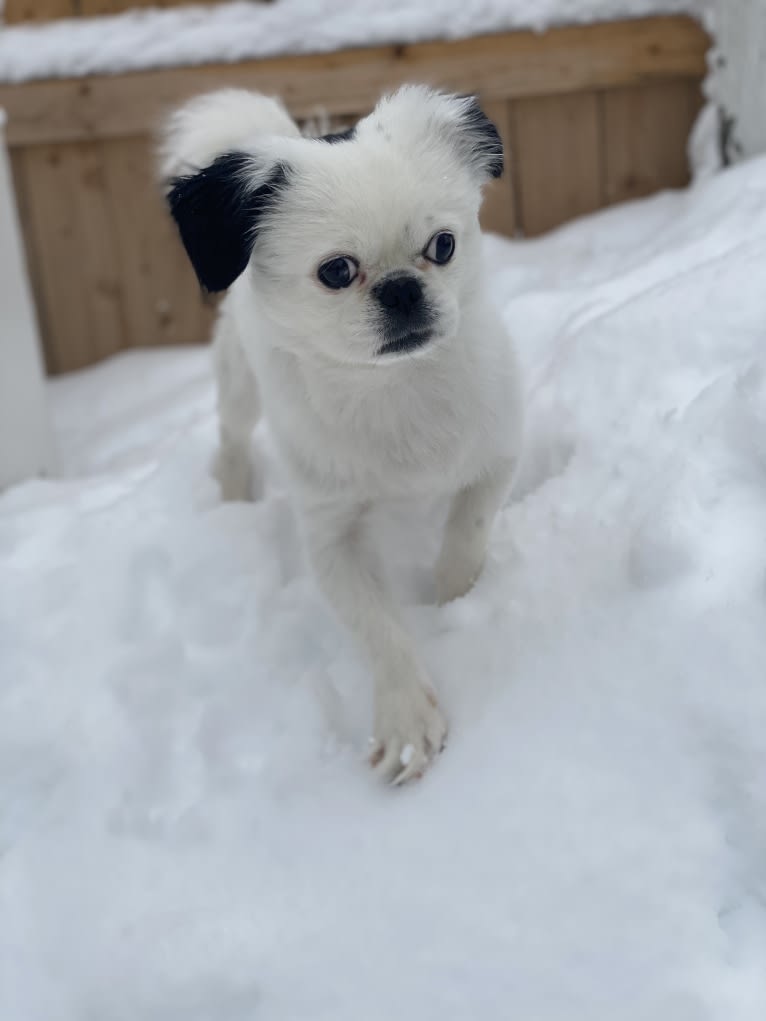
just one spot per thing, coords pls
(24, 434)
(737, 81)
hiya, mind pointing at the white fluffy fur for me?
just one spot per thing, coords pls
(215, 123)
(353, 427)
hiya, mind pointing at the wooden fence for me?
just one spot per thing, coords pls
(591, 116)
(50, 10)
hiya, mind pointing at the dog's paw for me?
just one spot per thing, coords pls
(457, 570)
(410, 730)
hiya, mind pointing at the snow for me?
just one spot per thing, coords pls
(188, 827)
(152, 38)
(704, 147)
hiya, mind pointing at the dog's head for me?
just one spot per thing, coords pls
(361, 245)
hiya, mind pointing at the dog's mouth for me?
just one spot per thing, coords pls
(406, 342)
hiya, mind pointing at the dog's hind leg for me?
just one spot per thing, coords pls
(238, 413)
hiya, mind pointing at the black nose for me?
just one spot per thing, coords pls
(400, 295)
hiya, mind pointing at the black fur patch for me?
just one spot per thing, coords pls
(339, 136)
(217, 213)
(488, 146)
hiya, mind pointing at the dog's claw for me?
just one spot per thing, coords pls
(412, 771)
(409, 738)
(376, 755)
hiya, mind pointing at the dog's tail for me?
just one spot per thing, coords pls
(216, 123)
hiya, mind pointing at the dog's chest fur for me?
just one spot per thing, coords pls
(419, 427)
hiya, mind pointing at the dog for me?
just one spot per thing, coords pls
(358, 314)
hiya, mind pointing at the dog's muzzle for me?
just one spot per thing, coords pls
(406, 317)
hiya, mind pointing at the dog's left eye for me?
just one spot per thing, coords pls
(440, 248)
(338, 273)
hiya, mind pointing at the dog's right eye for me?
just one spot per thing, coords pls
(338, 273)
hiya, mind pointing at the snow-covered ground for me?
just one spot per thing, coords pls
(244, 30)
(188, 829)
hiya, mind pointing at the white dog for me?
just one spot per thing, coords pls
(358, 301)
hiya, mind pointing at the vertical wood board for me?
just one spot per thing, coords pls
(163, 304)
(646, 129)
(558, 159)
(71, 235)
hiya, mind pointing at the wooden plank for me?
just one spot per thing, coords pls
(558, 164)
(163, 304)
(21, 185)
(71, 231)
(38, 10)
(50, 226)
(498, 212)
(97, 277)
(496, 67)
(17, 11)
(646, 129)
(89, 8)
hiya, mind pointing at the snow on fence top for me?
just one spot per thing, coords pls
(154, 38)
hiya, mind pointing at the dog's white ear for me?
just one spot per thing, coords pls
(219, 211)
(207, 126)
(420, 117)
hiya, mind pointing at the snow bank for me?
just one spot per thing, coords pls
(188, 830)
(239, 31)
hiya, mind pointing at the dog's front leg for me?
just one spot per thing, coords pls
(409, 726)
(238, 412)
(464, 547)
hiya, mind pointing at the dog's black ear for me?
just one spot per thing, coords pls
(481, 140)
(218, 211)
